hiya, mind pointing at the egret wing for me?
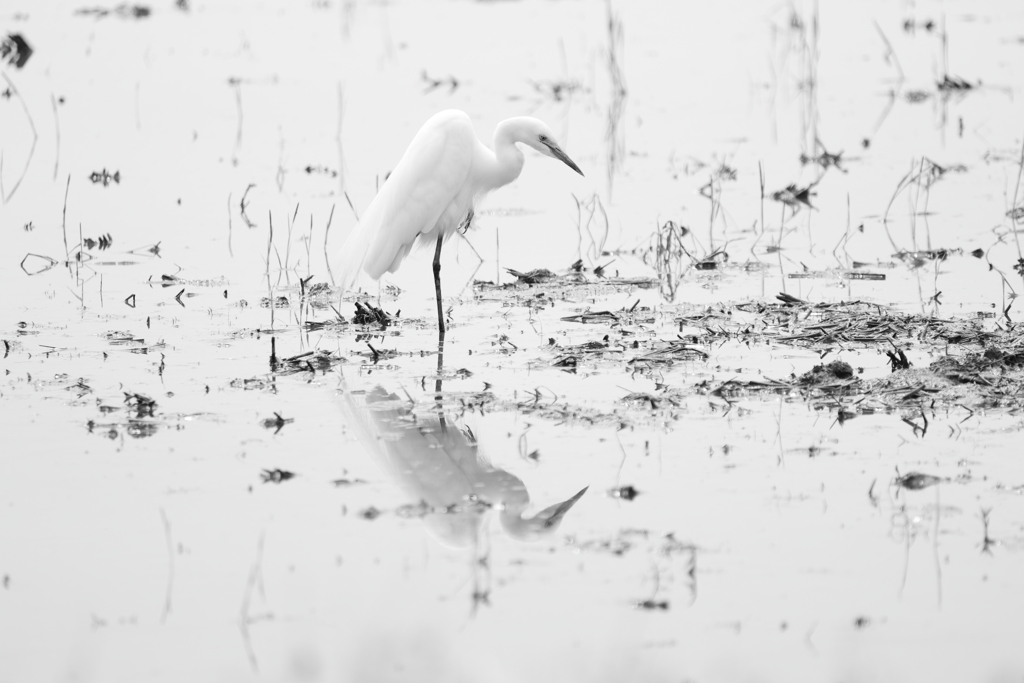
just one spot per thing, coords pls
(432, 462)
(426, 183)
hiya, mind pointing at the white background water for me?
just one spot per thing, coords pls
(150, 548)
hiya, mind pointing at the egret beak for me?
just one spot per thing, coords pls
(562, 156)
(552, 516)
(542, 524)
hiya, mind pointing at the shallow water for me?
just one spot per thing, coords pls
(422, 537)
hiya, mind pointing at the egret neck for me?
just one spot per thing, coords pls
(505, 163)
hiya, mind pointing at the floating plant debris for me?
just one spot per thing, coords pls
(371, 513)
(348, 482)
(15, 49)
(103, 242)
(915, 481)
(897, 359)
(827, 373)
(277, 422)
(954, 84)
(276, 476)
(627, 492)
(591, 317)
(321, 170)
(278, 302)
(434, 83)
(793, 196)
(251, 384)
(825, 159)
(557, 90)
(534, 276)
(124, 10)
(140, 404)
(310, 361)
(104, 177)
(368, 314)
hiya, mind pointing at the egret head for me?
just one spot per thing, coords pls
(544, 523)
(536, 134)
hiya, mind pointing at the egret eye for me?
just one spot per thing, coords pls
(543, 138)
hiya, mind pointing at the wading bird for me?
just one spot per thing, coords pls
(431, 193)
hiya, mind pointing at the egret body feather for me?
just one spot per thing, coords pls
(434, 188)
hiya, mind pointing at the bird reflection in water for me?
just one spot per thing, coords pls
(439, 465)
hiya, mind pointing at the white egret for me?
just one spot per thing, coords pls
(432, 191)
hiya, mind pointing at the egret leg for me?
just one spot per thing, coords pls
(438, 397)
(437, 285)
(468, 223)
